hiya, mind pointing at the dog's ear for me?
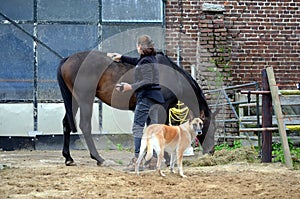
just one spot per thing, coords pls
(190, 116)
(202, 115)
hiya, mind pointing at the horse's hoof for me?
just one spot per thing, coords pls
(107, 163)
(70, 163)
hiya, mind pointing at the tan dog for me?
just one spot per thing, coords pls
(173, 139)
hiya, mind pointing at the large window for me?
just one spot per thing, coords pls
(28, 69)
(132, 11)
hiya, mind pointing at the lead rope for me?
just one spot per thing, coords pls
(178, 113)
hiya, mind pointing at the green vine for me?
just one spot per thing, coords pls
(222, 63)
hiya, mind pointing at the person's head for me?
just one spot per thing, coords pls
(145, 45)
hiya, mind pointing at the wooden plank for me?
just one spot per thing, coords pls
(290, 100)
(279, 116)
(286, 100)
(288, 119)
(258, 129)
(247, 105)
(267, 110)
(255, 92)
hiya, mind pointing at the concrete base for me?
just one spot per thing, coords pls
(55, 142)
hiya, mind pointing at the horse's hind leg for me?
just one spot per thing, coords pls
(66, 147)
(85, 126)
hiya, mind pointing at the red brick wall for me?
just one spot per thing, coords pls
(258, 34)
(185, 36)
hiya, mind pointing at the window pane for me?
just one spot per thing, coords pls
(122, 38)
(16, 63)
(17, 10)
(68, 10)
(132, 10)
(66, 40)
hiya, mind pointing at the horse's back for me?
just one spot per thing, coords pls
(92, 73)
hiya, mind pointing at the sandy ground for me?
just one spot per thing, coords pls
(42, 174)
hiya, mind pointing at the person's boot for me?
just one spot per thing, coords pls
(151, 164)
(131, 165)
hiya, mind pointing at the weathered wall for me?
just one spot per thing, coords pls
(258, 34)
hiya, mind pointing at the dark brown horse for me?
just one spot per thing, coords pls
(84, 75)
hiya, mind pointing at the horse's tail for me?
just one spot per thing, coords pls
(67, 97)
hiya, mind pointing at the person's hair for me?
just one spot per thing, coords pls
(147, 45)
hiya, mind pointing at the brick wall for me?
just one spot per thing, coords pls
(182, 27)
(257, 34)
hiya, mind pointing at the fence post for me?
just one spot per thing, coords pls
(266, 120)
(279, 116)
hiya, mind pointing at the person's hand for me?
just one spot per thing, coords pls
(123, 87)
(115, 56)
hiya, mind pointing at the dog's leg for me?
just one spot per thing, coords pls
(160, 156)
(179, 163)
(141, 155)
(172, 162)
(138, 162)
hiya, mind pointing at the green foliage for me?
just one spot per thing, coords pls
(119, 147)
(222, 146)
(278, 153)
(236, 144)
(120, 162)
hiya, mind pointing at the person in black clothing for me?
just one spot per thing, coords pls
(147, 91)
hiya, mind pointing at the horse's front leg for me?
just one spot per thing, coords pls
(66, 147)
(85, 126)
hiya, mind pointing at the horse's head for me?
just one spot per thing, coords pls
(209, 128)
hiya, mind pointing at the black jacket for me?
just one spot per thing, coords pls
(146, 77)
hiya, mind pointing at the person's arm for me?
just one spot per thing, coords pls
(146, 71)
(118, 57)
(129, 60)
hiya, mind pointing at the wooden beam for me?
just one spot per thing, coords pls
(279, 116)
(258, 129)
(255, 92)
(267, 111)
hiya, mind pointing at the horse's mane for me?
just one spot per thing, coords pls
(201, 98)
